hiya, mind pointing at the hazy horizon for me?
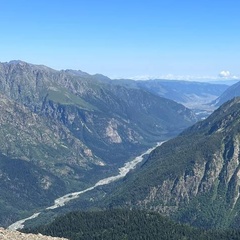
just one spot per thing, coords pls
(125, 39)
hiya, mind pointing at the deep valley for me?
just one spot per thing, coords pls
(65, 135)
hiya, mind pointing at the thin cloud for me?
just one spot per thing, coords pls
(174, 77)
(224, 74)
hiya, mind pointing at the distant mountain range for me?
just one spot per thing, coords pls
(195, 95)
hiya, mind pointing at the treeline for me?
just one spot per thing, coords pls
(126, 225)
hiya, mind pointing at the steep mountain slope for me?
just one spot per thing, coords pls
(25, 186)
(39, 160)
(69, 129)
(231, 92)
(195, 177)
(29, 136)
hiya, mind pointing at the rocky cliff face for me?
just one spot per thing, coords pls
(25, 132)
(195, 177)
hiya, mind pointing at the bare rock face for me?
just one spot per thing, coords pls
(112, 133)
(15, 235)
(24, 131)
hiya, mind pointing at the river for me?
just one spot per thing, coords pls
(59, 202)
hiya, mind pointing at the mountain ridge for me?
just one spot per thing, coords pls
(231, 92)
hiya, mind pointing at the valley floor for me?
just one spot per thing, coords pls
(59, 202)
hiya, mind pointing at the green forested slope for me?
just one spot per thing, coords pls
(126, 224)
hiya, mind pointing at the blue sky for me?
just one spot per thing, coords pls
(119, 38)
